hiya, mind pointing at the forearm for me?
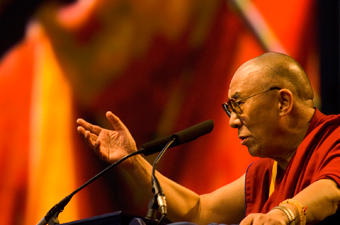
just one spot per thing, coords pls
(321, 198)
(225, 205)
(312, 205)
(183, 204)
(315, 203)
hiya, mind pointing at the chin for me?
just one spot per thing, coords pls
(255, 152)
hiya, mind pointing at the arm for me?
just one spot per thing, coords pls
(321, 198)
(223, 205)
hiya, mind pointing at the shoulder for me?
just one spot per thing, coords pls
(320, 121)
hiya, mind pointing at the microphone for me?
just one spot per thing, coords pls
(149, 148)
(189, 134)
(181, 137)
(158, 201)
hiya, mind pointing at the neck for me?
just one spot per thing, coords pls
(284, 163)
(297, 131)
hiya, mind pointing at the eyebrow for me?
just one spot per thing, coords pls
(236, 95)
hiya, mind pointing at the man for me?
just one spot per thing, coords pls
(297, 179)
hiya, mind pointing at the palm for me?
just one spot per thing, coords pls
(113, 145)
(109, 145)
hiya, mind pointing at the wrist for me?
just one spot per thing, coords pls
(298, 208)
(289, 215)
(137, 166)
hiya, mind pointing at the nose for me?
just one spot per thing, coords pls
(235, 121)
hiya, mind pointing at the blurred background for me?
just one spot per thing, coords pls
(161, 66)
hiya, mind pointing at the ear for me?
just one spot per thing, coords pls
(286, 100)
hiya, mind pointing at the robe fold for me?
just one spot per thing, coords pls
(317, 157)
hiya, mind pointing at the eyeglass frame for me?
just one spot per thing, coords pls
(228, 103)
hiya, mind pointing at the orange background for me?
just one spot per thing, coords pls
(161, 66)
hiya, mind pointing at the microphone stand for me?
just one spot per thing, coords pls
(51, 217)
(158, 201)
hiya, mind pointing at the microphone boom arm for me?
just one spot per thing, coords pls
(52, 215)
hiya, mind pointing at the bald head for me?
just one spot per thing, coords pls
(277, 69)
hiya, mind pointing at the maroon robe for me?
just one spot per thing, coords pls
(317, 157)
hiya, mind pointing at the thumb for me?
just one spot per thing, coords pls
(116, 123)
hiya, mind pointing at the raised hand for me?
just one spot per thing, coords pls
(109, 145)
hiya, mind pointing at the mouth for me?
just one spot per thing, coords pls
(243, 139)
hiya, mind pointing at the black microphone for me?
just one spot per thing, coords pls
(181, 137)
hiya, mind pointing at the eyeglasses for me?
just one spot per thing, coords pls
(234, 105)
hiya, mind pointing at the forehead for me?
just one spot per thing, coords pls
(246, 80)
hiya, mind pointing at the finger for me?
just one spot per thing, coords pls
(86, 134)
(81, 130)
(81, 122)
(90, 139)
(88, 126)
(247, 221)
(96, 149)
(116, 123)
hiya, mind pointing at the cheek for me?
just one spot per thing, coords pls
(262, 125)
(252, 115)
(261, 119)
(263, 115)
